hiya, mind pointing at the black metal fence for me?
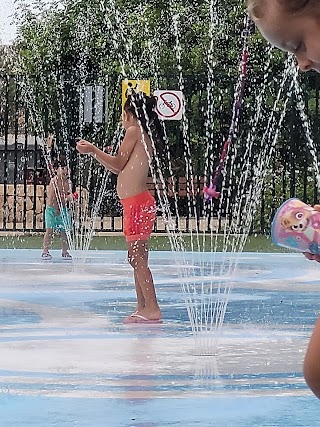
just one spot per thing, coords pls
(32, 108)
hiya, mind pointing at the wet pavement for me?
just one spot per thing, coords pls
(66, 359)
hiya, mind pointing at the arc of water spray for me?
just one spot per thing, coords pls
(211, 190)
(210, 302)
(29, 96)
(219, 305)
(301, 106)
(117, 33)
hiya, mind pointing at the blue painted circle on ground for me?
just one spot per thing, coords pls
(13, 316)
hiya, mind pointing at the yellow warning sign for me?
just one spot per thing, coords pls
(136, 86)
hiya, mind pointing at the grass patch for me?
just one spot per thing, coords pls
(157, 243)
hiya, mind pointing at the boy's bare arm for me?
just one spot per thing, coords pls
(313, 257)
(114, 163)
(67, 186)
(311, 366)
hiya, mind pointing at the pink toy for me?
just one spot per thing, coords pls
(297, 226)
(210, 192)
(108, 149)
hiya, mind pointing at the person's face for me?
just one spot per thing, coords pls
(298, 34)
(63, 172)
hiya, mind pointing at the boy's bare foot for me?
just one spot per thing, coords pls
(144, 316)
(66, 256)
(46, 256)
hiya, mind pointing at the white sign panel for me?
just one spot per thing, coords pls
(170, 104)
(95, 104)
(87, 104)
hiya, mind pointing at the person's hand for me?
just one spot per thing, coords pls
(308, 255)
(312, 257)
(85, 147)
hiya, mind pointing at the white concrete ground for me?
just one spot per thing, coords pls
(67, 359)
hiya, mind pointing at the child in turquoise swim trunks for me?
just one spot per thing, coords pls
(57, 217)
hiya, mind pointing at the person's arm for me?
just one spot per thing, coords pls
(308, 255)
(114, 163)
(69, 196)
(311, 366)
(68, 191)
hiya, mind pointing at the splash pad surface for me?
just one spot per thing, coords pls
(66, 358)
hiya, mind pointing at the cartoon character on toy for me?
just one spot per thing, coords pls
(297, 226)
(299, 220)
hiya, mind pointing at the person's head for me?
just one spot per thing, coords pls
(62, 169)
(63, 172)
(292, 26)
(140, 108)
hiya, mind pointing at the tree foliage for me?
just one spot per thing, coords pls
(174, 43)
(129, 37)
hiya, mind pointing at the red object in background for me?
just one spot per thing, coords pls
(75, 195)
(108, 149)
(211, 192)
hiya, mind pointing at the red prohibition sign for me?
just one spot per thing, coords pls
(168, 104)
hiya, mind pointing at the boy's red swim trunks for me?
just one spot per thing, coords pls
(139, 214)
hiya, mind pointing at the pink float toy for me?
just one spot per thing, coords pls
(296, 226)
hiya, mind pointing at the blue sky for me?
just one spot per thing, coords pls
(7, 29)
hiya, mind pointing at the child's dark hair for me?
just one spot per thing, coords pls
(142, 107)
(295, 6)
(60, 161)
(256, 7)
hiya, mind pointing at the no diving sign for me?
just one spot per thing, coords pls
(170, 104)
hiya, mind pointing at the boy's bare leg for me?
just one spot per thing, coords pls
(311, 366)
(138, 255)
(47, 240)
(140, 298)
(64, 244)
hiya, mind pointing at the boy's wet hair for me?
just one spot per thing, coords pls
(142, 107)
(60, 163)
(256, 7)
